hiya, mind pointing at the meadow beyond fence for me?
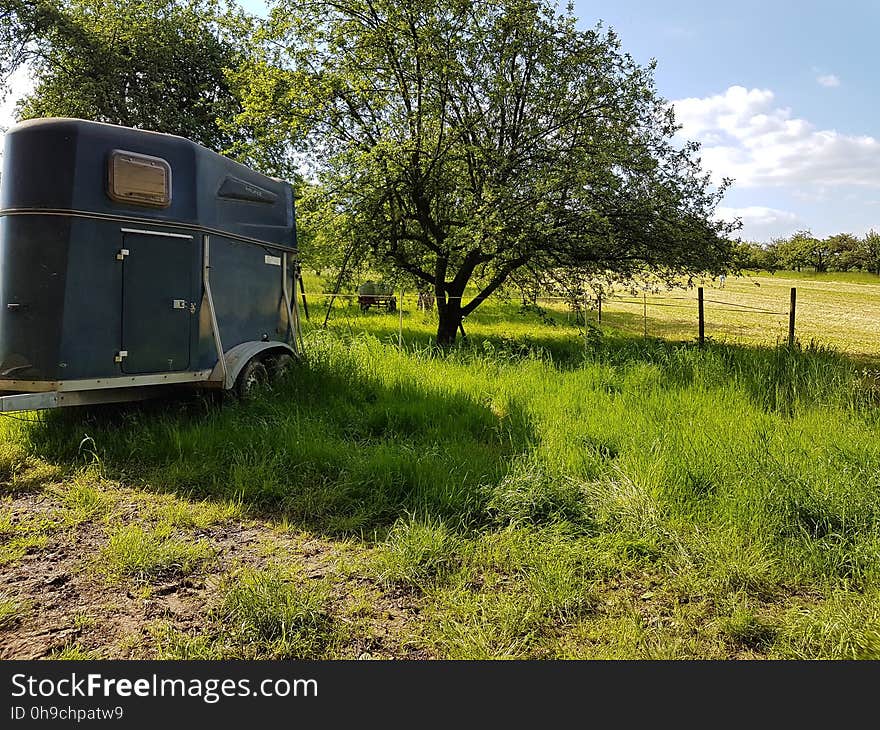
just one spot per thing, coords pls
(836, 310)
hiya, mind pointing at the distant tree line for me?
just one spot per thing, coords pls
(803, 251)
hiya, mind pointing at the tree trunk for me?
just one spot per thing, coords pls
(449, 321)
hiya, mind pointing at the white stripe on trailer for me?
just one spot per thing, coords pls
(163, 234)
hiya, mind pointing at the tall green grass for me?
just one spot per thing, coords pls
(508, 483)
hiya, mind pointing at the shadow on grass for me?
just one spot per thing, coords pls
(338, 450)
(333, 451)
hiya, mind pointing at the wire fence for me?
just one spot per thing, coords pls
(748, 314)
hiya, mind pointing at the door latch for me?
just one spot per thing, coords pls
(120, 256)
(120, 356)
(179, 304)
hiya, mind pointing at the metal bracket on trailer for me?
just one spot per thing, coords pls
(293, 321)
(61, 398)
(215, 330)
(29, 402)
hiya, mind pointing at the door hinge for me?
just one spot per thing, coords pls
(123, 252)
(120, 356)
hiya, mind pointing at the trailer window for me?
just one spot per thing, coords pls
(139, 179)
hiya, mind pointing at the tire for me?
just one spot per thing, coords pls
(251, 380)
(281, 366)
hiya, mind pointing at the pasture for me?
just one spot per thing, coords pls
(838, 310)
(541, 491)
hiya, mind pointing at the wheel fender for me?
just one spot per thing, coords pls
(240, 355)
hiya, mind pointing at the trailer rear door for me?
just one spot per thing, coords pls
(157, 301)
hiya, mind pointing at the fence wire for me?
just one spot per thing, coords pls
(737, 314)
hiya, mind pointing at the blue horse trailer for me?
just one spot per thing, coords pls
(132, 262)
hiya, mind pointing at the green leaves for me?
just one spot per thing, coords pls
(154, 64)
(466, 140)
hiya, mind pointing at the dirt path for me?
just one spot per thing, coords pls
(62, 598)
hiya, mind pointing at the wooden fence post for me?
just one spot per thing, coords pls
(645, 311)
(302, 290)
(400, 321)
(599, 307)
(586, 306)
(791, 312)
(702, 318)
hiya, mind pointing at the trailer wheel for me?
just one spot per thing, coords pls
(281, 366)
(252, 378)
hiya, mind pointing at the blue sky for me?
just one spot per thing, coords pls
(783, 96)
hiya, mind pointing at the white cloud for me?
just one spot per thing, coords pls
(756, 215)
(678, 32)
(828, 80)
(760, 222)
(747, 137)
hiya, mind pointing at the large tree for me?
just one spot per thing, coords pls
(802, 250)
(870, 247)
(844, 252)
(156, 64)
(469, 140)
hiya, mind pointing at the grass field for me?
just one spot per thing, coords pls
(839, 310)
(538, 492)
